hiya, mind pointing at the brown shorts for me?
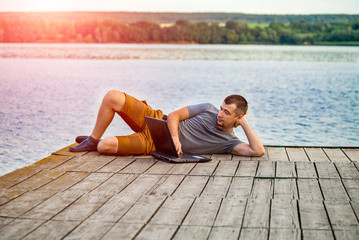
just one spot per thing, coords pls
(133, 113)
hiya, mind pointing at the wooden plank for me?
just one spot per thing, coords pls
(313, 215)
(204, 169)
(346, 234)
(120, 203)
(18, 176)
(241, 187)
(306, 170)
(326, 170)
(157, 232)
(221, 157)
(52, 230)
(90, 229)
(4, 221)
(160, 167)
(115, 184)
(352, 188)
(293, 234)
(309, 189)
(51, 161)
(24, 203)
(355, 206)
(191, 186)
(262, 188)
(19, 228)
(247, 168)
(352, 153)
(297, 154)
(143, 209)
(64, 182)
(83, 207)
(70, 165)
(277, 154)
(7, 195)
(182, 169)
(336, 155)
(318, 234)
(347, 170)
(226, 168)
(217, 187)
(90, 182)
(203, 212)
(117, 164)
(341, 215)
(256, 214)
(192, 232)
(123, 231)
(141, 185)
(38, 180)
(284, 214)
(250, 233)
(266, 169)
(53, 205)
(243, 158)
(316, 155)
(285, 189)
(139, 166)
(224, 233)
(285, 170)
(173, 211)
(231, 213)
(167, 185)
(333, 189)
(114, 208)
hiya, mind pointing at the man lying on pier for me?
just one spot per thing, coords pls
(198, 129)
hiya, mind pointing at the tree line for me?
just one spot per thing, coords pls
(172, 17)
(232, 32)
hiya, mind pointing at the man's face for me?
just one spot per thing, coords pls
(226, 117)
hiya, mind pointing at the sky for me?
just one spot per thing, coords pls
(238, 6)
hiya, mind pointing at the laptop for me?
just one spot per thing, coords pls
(165, 148)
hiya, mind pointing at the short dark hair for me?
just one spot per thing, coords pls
(240, 102)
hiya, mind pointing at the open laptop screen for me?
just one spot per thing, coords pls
(161, 136)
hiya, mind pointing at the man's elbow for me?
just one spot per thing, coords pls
(259, 152)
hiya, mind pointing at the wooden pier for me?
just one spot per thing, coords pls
(290, 193)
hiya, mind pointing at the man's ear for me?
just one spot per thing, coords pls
(236, 123)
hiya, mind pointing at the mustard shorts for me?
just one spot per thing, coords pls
(133, 113)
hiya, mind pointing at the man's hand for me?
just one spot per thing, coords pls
(173, 120)
(255, 146)
(178, 145)
(242, 120)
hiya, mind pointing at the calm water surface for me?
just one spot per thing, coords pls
(297, 95)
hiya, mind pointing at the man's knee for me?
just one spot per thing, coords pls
(108, 146)
(115, 99)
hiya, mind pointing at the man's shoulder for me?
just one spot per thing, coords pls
(205, 105)
(201, 108)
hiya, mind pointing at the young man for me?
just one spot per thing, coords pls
(198, 129)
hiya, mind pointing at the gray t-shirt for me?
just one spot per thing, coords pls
(198, 134)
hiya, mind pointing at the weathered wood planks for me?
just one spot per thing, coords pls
(290, 193)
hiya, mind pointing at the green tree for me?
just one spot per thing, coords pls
(231, 37)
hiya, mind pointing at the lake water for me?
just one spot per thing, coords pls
(298, 95)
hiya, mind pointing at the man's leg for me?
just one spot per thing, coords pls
(112, 102)
(108, 146)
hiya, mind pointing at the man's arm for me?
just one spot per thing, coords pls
(255, 147)
(173, 120)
